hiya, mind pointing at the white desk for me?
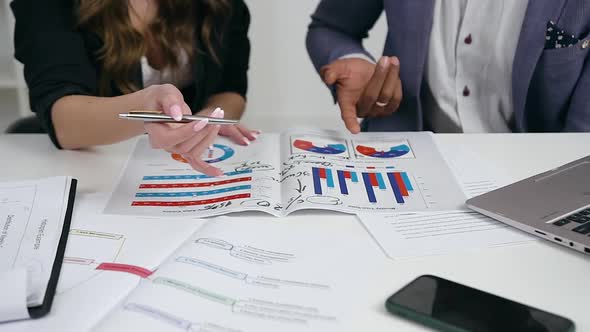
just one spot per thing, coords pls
(540, 274)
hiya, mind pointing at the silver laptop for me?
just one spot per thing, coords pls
(554, 205)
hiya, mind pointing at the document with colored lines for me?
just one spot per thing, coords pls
(295, 170)
(248, 274)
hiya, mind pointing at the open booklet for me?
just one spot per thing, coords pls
(34, 223)
(299, 169)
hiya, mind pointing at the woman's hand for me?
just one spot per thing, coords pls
(234, 105)
(189, 140)
(239, 134)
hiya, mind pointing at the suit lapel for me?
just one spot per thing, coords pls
(409, 23)
(528, 52)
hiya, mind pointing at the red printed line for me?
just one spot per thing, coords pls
(373, 179)
(193, 185)
(322, 173)
(132, 269)
(190, 203)
(347, 175)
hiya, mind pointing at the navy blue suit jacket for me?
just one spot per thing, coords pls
(551, 87)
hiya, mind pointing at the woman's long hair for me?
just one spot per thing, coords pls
(172, 30)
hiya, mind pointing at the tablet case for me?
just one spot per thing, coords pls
(45, 307)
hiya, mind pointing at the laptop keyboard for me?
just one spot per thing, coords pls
(581, 218)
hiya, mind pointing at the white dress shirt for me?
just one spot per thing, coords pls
(469, 64)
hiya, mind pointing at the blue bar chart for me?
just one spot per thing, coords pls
(347, 182)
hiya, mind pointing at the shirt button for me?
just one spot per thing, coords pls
(468, 40)
(466, 92)
(586, 44)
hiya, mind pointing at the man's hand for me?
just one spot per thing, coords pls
(364, 89)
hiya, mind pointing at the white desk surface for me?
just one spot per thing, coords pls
(539, 273)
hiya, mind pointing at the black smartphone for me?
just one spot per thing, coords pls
(448, 306)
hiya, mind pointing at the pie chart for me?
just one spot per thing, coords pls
(218, 153)
(393, 152)
(328, 149)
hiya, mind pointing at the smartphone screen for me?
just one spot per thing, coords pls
(450, 306)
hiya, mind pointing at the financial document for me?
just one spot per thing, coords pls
(247, 275)
(292, 171)
(423, 234)
(403, 235)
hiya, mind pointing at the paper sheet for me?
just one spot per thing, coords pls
(31, 222)
(299, 169)
(422, 234)
(475, 176)
(13, 287)
(84, 294)
(404, 235)
(248, 275)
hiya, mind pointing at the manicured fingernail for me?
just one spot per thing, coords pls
(176, 112)
(246, 141)
(217, 113)
(384, 61)
(395, 61)
(200, 125)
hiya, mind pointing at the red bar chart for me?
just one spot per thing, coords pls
(398, 183)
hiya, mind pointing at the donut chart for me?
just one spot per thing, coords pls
(328, 149)
(394, 152)
(225, 152)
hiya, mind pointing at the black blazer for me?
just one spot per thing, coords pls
(60, 59)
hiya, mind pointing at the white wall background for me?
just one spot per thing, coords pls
(285, 91)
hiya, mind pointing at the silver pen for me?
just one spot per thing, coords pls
(154, 116)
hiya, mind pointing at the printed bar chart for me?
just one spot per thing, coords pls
(171, 190)
(380, 181)
(329, 178)
(396, 183)
(342, 182)
(370, 181)
(400, 184)
(194, 185)
(189, 177)
(317, 184)
(319, 174)
(194, 193)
